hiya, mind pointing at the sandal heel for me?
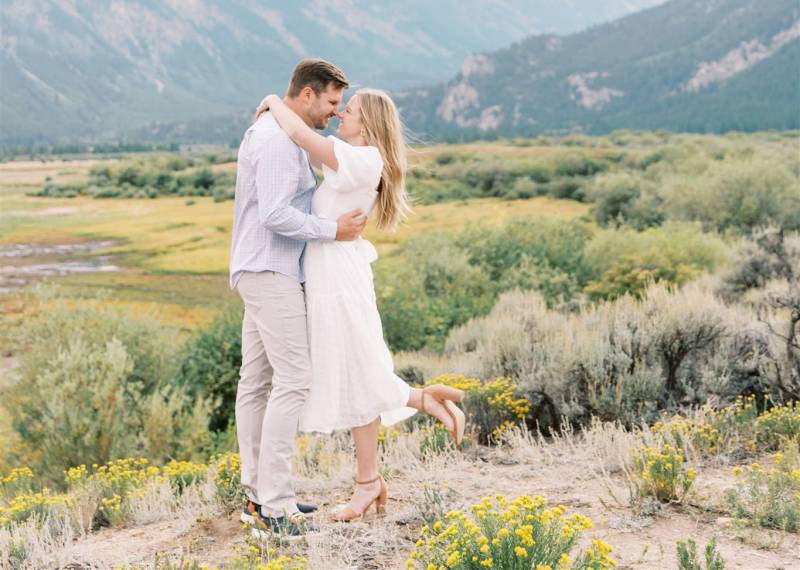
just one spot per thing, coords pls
(382, 499)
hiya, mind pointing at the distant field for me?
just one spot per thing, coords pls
(174, 251)
(192, 235)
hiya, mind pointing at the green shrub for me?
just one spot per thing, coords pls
(778, 425)
(736, 194)
(408, 324)
(210, 362)
(523, 188)
(437, 282)
(565, 189)
(445, 158)
(625, 198)
(435, 440)
(659, 473)
(149, 177)
(204, 179)
(432, 290)
(578, 164)
(767, 255)
(625, 261)
(546, 242)
(101, 379)
(687, 556)
(771, 498)
(622, 360)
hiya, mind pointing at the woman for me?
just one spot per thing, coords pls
(353, 376)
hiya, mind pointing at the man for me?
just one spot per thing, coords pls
(272, 221)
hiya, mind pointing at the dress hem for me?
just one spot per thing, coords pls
(402, 413)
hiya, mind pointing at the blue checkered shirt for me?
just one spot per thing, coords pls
(272, 217)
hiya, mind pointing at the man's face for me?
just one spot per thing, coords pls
(324, 106)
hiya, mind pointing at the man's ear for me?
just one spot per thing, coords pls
(306, 94)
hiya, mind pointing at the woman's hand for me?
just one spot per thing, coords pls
(263, 107)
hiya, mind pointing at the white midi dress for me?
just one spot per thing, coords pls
(353, 379)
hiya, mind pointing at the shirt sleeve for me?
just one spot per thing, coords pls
(277, 172)
(360, 167)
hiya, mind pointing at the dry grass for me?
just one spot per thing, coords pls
(33, 172)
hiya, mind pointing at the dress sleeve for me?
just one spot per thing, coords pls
(360, 167)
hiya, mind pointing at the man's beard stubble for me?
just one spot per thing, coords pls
(321, 123)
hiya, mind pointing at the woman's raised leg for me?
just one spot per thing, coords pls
(437, 401)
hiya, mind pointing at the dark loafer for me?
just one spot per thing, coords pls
(307, 508)
(288, 527)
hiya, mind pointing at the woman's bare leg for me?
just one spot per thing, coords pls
(366, 442)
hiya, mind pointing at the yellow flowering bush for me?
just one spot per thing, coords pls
(492, 407)
(109, 486)
(510, 535)
(266, 559)
(117, 477)
(226, 476)
(735, 429)
(23, 507)
(684, 433)
(114, 484)
(101, 495)
(20, 500)
(660, 473)
(184, 473)
(735, 423)
(19, 480)
(778, 423)
(254, 557)
(769, 498)
(111, 511)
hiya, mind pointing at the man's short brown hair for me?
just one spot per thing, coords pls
(317, 74)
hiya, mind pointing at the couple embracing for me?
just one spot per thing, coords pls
(313, 353)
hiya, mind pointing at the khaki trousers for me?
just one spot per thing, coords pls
(274, 354)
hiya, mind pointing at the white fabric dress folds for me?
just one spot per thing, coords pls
(352, 370)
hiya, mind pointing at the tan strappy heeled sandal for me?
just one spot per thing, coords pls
(347, 514)
(447, 395)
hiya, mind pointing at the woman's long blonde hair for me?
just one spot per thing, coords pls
(383, 129)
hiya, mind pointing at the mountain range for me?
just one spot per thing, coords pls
(81, 69)
(685, 65)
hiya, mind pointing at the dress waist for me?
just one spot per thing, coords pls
(361, 246)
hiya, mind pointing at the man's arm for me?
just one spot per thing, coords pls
(277, 178)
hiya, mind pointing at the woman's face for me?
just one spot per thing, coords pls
(350, 120)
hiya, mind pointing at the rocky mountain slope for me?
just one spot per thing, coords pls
(81, 68)
(690, 65)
